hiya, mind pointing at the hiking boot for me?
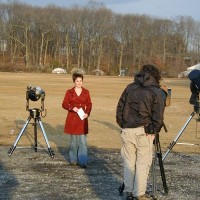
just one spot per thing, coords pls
(129, 196)
(143, 197)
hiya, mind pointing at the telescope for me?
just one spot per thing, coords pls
(34, 93)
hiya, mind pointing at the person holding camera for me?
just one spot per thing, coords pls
(139, 113)
(78, 103)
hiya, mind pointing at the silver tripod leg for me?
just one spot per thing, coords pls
(177, 137)
(45, 137)
(18, 137)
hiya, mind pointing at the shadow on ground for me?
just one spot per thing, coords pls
(8, 182)
(41, 177)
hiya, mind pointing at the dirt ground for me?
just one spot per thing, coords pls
(27, 174)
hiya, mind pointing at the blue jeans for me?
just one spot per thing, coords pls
(78, 149)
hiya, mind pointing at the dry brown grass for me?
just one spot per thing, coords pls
(105, 92)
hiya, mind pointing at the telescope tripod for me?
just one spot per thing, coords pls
(35, 115)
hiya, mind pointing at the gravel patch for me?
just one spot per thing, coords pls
(27, 174)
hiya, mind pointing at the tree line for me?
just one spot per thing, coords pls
(94, 38)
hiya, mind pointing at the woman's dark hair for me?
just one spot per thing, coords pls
(153, 71)
(77, 75)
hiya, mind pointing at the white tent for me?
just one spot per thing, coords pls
(59, 71)
(183, 74)
(197, 66)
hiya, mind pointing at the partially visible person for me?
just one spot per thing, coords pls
(140, 115)
(76, 125)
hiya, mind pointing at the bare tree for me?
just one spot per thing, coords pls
(94, 37)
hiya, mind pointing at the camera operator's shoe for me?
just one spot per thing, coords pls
(129, 196)
(143, 197)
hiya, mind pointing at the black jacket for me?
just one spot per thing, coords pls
(141, 104)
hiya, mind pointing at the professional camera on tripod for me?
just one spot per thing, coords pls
(194, 76)
(34, 94)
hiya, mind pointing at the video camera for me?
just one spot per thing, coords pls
(194, 76)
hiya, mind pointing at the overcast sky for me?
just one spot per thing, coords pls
(156, 8)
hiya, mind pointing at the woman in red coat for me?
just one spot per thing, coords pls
(78, 103)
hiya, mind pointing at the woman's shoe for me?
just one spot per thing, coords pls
(143, 197)
(83, 165)
(73, 163)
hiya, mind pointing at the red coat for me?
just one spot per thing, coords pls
(73, 123)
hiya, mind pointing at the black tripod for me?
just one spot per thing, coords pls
(35, 115)
(158, 155)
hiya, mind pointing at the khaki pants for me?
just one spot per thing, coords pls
(137, 150)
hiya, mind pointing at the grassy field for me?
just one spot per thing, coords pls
(105, 92)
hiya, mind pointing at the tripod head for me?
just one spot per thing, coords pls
(34, 93)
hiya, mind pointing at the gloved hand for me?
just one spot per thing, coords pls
(150, 129)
